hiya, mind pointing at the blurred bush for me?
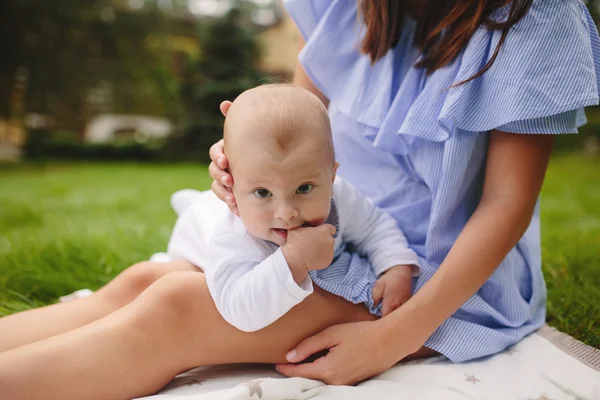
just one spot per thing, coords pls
(43, 145)
(225, 68)
(70, 59)
(188, 91)
(588, 139)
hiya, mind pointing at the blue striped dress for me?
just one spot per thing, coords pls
(418, 150)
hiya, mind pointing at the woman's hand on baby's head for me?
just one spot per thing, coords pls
(222, 180)
(310, 248)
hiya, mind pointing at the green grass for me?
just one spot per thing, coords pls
(64, 227)
(571, 246)
(68, 226)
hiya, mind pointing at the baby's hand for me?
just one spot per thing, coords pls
(394, 286)
(309, 249)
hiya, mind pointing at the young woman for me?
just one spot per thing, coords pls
(443, 112)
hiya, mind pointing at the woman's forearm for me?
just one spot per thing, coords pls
(515, 169)
(487, 238)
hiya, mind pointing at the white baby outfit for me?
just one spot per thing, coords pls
(249, 278)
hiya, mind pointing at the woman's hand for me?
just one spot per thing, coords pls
(222, 180)
(357, 351)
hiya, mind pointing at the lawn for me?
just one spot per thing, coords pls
(68, 226)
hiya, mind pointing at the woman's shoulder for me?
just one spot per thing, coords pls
(309, 14)
(552, 10)
(543, 74)
(553, 15)
(552, 23)
(547, 67)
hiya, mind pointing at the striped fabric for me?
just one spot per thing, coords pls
(351, 277)
(418, 149)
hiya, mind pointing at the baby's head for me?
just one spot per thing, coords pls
(278, 144)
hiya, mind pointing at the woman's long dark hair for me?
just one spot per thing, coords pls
(444, 27)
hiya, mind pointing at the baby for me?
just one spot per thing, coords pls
(298, 224)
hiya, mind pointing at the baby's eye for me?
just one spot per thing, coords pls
(304, 189)
(262, 193)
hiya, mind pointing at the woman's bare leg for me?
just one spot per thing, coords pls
(40, 323)
(171, 327)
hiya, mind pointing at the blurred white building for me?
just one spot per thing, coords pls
(109, 128)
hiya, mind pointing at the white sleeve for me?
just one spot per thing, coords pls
(250, 287)
(372, 232)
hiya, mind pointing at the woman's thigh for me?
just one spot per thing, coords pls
(317, 312)
(269, 345)
(183, 301)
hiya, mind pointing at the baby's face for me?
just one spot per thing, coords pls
(277, 193)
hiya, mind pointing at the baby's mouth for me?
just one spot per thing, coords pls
(284, 232)
(281, 232)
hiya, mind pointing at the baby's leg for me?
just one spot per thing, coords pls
(32, 325)
(171, 327)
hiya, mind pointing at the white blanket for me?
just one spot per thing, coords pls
(546, 365)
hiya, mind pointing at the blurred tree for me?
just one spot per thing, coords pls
(60, 56)
(594, 7)
(229, 53)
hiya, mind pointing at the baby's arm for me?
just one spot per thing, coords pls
(373, 233)
(251, 287)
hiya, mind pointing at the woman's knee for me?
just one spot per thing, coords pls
(133, 281)
(179, 294)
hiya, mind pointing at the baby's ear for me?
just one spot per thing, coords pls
(335, 168)
(224, 107)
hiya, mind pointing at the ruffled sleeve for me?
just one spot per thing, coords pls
(545, 74)
(546, 71)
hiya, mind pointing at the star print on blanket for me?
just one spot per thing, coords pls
(547, 365)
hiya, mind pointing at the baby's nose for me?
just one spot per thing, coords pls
(286, 213)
